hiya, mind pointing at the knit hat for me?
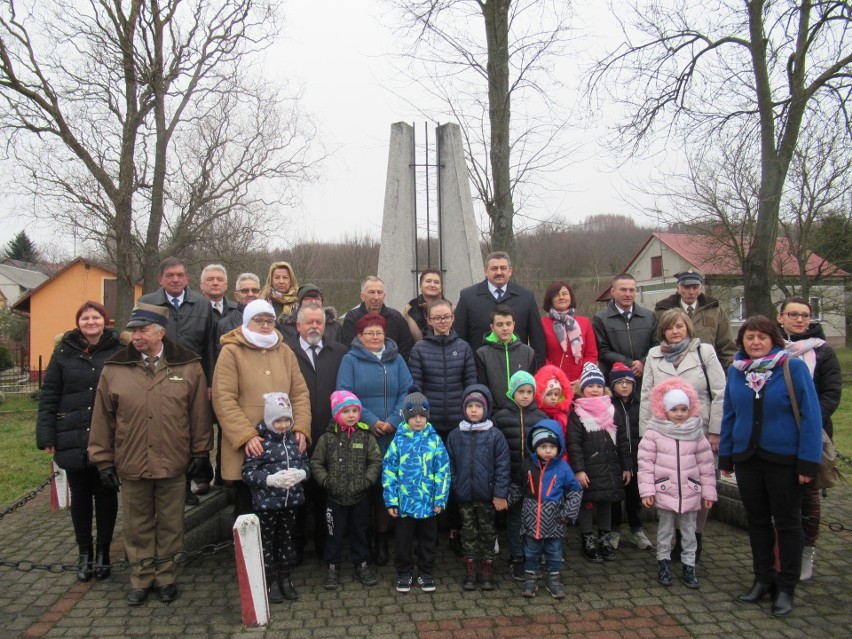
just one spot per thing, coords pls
(675, 397)
(256, 307)
(415, 404)
(479, 394)
(309, 291)
(276, 406)
(521, 378)
(591, 375)
(620, 371)
(540, 436)
(340, 400)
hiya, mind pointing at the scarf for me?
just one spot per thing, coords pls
(596, 413)
(690, 431)
(758, 371)
(567, 331)
(260, 340)
(674, 353)
(804, 349)
(465, 425)
(347, 430)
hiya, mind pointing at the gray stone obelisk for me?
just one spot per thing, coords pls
(459, 251)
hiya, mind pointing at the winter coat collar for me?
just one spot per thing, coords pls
(673, 301)
(236, 337)
(614, 311)
(389, 354)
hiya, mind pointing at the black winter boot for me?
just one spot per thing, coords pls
(84, 570)
(285, 584)
(102, 570)
(273, 588)
(590, 548)
(554, 586)
(469, 581)
(487, 580)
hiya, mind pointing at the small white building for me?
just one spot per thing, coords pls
(664, 254)
(15, 282)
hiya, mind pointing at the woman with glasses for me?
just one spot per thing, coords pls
(254, 361)
(417, 309)
(442, 366)
(806, 341)
(569, 339)
(377, 374)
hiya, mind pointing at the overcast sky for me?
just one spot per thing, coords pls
(340, 52)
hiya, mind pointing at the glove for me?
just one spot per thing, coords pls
(109, 478)
(276, 480)
(293, 477)
(200, 469)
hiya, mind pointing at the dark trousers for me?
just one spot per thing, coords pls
(550, 547)
(478, 532)
(771, 492)
(276, 532)
(810, 514)
(243, 504)
(86, 487)
(632, 505)
(425, 532)
(313, 509)
(340, 520)
(450, 517)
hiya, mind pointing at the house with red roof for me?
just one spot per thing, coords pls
(663, 254)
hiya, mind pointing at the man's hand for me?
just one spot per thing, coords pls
(200, 469)
(637, 367)
(109, 478)
(254, 447)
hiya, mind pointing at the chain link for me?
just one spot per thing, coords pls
(29, 496)
(847, 461)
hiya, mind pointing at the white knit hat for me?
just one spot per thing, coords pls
(675, 397)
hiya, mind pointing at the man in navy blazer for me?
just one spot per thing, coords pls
(473, 312)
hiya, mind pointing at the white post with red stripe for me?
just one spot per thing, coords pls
(60, 493)
(250, 573)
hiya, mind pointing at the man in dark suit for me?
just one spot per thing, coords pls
(318, 360)
(473, 312)
(213, 285)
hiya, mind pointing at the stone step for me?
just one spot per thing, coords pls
(210, 522)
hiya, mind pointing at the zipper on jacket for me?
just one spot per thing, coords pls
(385, 371)
(287, 460)
(508, 372)
(679, 486)
(472, 461)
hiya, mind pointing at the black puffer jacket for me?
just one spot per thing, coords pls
(442, 366)
(594, 453)
(828, 378)
(68, 397)
(515, 422)
(629, 409)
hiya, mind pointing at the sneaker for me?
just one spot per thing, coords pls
(640, 540)
(689, 577)
(364, 573)
(664, 573)
(590, 548)
(427, 584)
(403, 583)
(332, 578)
(554, 585)
(613, 539)
(518, 570)
(606, 549)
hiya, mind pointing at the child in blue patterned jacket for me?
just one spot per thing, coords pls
(416, 482)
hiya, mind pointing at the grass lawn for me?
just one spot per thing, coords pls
(23, 465)
(842, 419)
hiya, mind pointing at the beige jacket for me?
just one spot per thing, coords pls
(147, 426)
(243, 374)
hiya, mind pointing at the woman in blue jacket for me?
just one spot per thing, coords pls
(774, 457)
(375, 372)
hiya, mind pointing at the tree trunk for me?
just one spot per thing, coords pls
(501, 211)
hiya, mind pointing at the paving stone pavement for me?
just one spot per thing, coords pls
(620, 599)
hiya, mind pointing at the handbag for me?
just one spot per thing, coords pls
(828, 475)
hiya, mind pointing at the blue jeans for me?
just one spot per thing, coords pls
(533, 549)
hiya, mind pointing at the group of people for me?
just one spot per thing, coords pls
(383, 421)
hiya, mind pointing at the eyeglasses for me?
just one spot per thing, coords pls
(246, 291)
(442, 318)
(263, 322)
(794, 315)
(373, 334)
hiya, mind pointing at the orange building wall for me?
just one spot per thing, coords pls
(53, 306)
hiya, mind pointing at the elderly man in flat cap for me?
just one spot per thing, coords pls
(709, 319)
(151, 429)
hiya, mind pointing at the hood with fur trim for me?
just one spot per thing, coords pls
(544, 375)
(658, 409)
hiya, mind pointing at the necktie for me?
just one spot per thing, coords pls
(689, 311)
(499, 294)
(314, 349)
(176, 303)
(151, 364)
(218, 307)
(626, 315)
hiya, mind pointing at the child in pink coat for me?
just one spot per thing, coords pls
(676, 473)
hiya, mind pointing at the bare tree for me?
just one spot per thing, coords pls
(478, 58)
(743, 69)
(142, 114)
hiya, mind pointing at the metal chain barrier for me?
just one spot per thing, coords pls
(28, 497)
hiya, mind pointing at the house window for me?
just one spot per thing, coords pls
(816, 308)
(110, 295)
(657, 266)
(738, 309)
